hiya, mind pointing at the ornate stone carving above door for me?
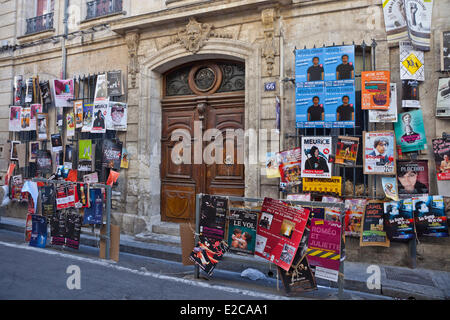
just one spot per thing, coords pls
(132, 41)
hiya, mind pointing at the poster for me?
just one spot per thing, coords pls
(88, 117)
(441, 151)
(332, 213)
(25, 119)
(18, 96)
(35, 109)
(213, 212)
(14, 155)
(85, 150)
(93, 214)
(114, 82)
(429, 215)
(320, 185)
(78, 113)
(389, 115)
(324, 247)
(272, 165)
(315, 157)
(69, 151)
(443, 95)
(410, 94)
(390, 187)
(33, 149)
(14, 118)
(347, 150)
(112, 151)
(70, 124)
(372, 232)
(42, 127)
(418, 19)
(116, 117)
(354, 211)
(207, 253)
(299, 278)
(379, 152)
(411, 62)
(56, 142)
(410, 131)
(44, 162)
(280, 229)
(63, 91)
(101, 89)
(412, 178)
(299, 197)
(58, 228)
(290, 167)
(375, 87)
(445, 50)
(48, 200)
(325, 88)
(124, 162)
(29, 90)
(395, 21)
(99, 115)
(73, 229)
(242, 231)
(399, 220)
(38, 231)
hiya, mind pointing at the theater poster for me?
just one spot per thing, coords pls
(399, 220)
(63, 91)
(418, 18)
(441, 151)
(412, 63)
(290, 167)
(410, 131)
(410, 94)
(429, 215)
(412, 178)
(316, 157)
(375, 88)
(379, 152)
(213, 211)
(99, 117)
(395, 21)
(14, 118)
(116, 117)
(347, 150)
(372, 231)
(389, 115)
(443, 94)
(445, 50)
(280, 230)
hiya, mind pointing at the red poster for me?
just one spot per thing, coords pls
(280, 229)
(324, 248)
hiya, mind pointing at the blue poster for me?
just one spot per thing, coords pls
(325, 87)
(93, 214)
(38, 231)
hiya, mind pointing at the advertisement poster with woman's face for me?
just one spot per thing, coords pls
(412, 178)
(379, 152)
(315, 157)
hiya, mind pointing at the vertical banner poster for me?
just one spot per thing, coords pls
(410, 131)
(213, 212)
(445, 51)
(38, 231)
(340, 104)
(379, 152)
(347, 150)
(443, 95)
(101, 89)
(324, 248)
(99, 117)
(390, 187)
(410, 94)
(25, 119)
(290, 167)
(441, 151)
(44, 162)
(354, 211)
(242, 231)
(315, 157)
(429, 215)
(309, 104)
(399, 220)
(389, 115)
(114, 80)
(299, 278)
(124, 160)
(88, 117)
(411, 62)
(272, 165)
(372, 231)
(70, 124)
(14, 118)
(63, 91)
(412, 178)
(395, 21)
(418, 18)
(85, 150)
(35, 109)
(280, 230)
(42, 126)
(73, 229)
(375, 87)
(93, 213)
(116, 117)
(112, 152)
(78, 111)
(48, 200)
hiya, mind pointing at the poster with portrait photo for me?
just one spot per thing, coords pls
(56, 142)
(410, 131)
(25, 119)
(441, 151)
(395, 21)
(429, 216)
(340, 104)
(101, 89)
(116, 117)
(445, 50)
(399, 220)
(379, 152)
(279, 240)
(309, 105)
(100, 112)
(78, 112)
(42, 126)
(242, 225)
(309, 65)
(412, 178)
(316, 157)
(33, 149)
(14, 118)
(389, 115)
(339, 63)
(418, 19)
(63, 91)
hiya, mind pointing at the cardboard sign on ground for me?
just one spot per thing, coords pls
(187, 242)
(114, 247)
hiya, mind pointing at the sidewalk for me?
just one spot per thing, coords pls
(396, 282)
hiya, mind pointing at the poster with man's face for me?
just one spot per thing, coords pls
(316, 157)
(116, 117)
(99, 117)
(379, 152)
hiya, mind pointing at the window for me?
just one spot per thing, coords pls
(98, 8)
(43, 18)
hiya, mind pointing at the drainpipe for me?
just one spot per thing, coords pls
(66, 31)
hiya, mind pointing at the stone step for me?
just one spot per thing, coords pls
(166, 228)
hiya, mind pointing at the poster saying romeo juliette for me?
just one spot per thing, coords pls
(280, 230)
(379, 152)
(316, 157)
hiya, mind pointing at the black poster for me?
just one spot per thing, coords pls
(73, 229)
(372, 229)
(48, 200)
(43, 162)
(213, 212)
(114, 79)
(445, 51)
(58, 228)
(112, 153)
(299, 278)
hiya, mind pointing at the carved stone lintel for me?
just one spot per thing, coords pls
(132, 41)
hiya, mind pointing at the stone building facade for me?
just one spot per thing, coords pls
(149, 39)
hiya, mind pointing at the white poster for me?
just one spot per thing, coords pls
(411, 62)
(116, 118)
(443, 94)
(389, 115)
(418, 18)
(99, 113)
(63, 91)
(101, 88)
(395, 21)
(315, 157)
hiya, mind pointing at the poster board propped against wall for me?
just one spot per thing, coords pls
(114, 247)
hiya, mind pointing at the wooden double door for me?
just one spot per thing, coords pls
(202, 108)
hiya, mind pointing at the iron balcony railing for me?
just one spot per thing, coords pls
(40, 23)
(98, 8)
